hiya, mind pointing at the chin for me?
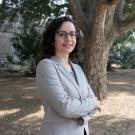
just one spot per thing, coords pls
(69, 51)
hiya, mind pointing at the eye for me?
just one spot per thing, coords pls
(72, 34)
(62, 34)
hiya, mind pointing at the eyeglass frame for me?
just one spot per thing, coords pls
(74, 36)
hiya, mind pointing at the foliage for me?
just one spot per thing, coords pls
(26, 44)
(129, 10)
(33, 15)
(33, 11)
(123, 51)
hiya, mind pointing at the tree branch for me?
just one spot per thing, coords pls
(119, 11)
(120, 25)
(98, 27)
(78, 14)
(90, 10)
(116, 19)
(125, 27)
(109, 20)
(112, 1)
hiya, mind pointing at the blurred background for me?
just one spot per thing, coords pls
(106, 53)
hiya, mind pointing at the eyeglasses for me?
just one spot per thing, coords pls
(64, 34)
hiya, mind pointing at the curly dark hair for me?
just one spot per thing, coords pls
(49, 37)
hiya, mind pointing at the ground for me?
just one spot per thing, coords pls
(21, 112)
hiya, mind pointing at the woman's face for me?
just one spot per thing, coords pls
(65, 38)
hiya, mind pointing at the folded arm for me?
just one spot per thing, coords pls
(52, 90)
(91, 94)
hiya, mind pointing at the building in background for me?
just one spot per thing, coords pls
(7, 31)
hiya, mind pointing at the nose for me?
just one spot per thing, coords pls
(67, 37)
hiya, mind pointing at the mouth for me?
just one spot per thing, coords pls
(68, 45)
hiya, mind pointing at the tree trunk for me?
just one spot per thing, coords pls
(96, 54)
(101, 28)
(96, 59)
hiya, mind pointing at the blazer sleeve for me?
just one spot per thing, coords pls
(90, 91)
(52, 90)
(91, 94)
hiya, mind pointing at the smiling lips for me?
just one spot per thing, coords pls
(67, 45)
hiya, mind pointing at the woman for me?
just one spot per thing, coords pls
(65, 93)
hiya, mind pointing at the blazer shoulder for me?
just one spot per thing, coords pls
(44, 63)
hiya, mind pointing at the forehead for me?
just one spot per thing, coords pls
(67, 26)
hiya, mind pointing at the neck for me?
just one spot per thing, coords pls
(63, 58)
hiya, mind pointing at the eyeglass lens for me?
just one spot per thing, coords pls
(64, 34)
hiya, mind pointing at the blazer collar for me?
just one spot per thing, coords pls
(67, 73)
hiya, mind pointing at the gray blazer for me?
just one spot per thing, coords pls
(68, 104)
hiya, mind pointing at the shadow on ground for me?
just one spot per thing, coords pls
(21, 114)
(123, 80)
(111, 125)
(18, 106)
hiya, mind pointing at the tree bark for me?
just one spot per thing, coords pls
(104, 26)
(95, 55)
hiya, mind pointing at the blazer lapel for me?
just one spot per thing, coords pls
(80, 79)
(77, 73)
(66, 73)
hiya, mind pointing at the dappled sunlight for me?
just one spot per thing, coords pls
(31, 78)
(19, 107)
(28, 88)
(33, 116)
(121, 82)
(106, 124)
(7, 99)
(109, 119)
(113, 82)
(21, 110)
(28, 97)
(7, 112)
(122, 106)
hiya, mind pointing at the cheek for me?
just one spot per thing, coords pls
(57, 43)
(74, 42)
(55, 40)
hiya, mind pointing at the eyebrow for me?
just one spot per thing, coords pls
(66, 31)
